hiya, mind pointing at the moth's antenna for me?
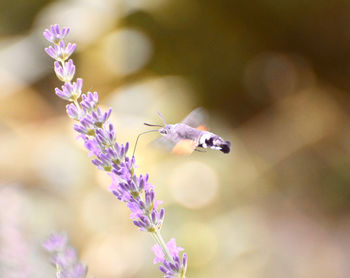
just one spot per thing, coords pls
(162, 118)
(151, 125)
(138, 136)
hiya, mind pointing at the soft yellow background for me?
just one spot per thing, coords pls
(274, 77)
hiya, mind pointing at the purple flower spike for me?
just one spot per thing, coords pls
(99, 136)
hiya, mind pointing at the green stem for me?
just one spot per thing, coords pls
(159, 239)
(64, 70)
(76, 103)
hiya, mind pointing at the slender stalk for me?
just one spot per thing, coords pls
(159, 239)
(77, 105)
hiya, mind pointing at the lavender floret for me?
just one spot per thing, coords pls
(72, 111)
(60, 51)
(66, 72)
(70, 91)
(56, 242)
(56, 34)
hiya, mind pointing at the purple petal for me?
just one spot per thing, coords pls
(48, 35)
(65, 258)
(51, 52)
(163, 269)
(158, 253)
(72, 111)
(154, 216)
(173, 249)
(77, 271)
(161, 214)
(184, 260)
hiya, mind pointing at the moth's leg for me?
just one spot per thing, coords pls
(201, 150)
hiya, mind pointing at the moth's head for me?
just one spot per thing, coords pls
(165, 130)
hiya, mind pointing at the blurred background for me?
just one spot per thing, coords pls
(274, 78)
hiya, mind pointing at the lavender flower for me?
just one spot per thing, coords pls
(60, 51)
(70, 91)
(55, 34)
(67, 73)
(56, 242)
(99, 138)
(64, 257)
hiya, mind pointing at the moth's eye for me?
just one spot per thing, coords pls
(164, 131)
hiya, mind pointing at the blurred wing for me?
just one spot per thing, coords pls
(163, 143)
(181, 147)
(197, 119)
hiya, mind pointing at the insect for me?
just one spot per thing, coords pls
(188, 135)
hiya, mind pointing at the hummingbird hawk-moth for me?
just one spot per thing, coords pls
(188, 135)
